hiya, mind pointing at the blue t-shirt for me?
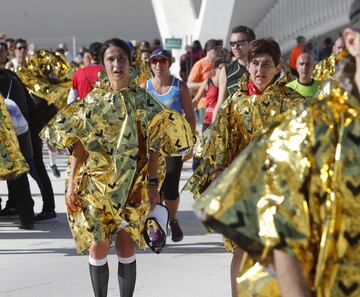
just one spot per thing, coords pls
(172, 98)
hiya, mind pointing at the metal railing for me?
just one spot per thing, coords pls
(291, 18)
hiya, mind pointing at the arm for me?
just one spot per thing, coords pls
(290, 275)
(222, 91)
(189, 111)
(78, 158)
(193, 85)
(187, 105)
(154, 195)
(199, 93)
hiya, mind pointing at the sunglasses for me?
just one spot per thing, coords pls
(160, 61)
(238, 42)
(21, 48)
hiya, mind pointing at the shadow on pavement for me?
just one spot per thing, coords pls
(191, 248)
(190, 224)
(46, 230)
(39, 251)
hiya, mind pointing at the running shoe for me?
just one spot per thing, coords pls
(176, 232)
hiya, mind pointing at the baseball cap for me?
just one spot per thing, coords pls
(211, 44)
(94, 48)
(161, 53)
(354, 13)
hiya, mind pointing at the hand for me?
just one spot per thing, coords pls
(72, 201)
(154, 197)
(188, 156)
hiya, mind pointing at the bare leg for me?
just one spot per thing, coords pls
(290, 275)
(172, 206)
(234, 269)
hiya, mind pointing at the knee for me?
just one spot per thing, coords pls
(99, 249)
(124, 245)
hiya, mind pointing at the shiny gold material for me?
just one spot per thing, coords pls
(240, 120)
(118, 129)
(258, 281)
(326, 68)
(47, 75)
(12, 162)
(143, 71)
(296, 188)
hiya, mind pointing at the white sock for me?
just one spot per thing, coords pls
(129, 260)
(97, 262)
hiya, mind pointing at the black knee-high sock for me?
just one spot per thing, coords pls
(99, 279)
(127, 279)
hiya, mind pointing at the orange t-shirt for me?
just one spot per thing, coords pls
(294, 54)
(200, 72)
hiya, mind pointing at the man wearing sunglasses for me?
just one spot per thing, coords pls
(240, 39)
(20, 54)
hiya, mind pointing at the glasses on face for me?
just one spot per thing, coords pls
(21, 48)
(160, 61)
(240, 42)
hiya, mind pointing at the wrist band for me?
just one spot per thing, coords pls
(153, 182)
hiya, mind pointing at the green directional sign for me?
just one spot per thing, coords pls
(173, 43)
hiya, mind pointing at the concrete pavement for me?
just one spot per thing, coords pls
(43, 262)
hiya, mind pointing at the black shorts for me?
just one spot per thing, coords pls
(170, 187)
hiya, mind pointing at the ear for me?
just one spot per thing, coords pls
(278, 67)
(351, 41)
(248, 66)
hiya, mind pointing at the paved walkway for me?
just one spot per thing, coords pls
(43, 262)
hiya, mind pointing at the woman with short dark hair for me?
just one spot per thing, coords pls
(261, 98)
(116, 135)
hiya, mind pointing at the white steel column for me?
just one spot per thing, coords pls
(177, 19)
(214, 19)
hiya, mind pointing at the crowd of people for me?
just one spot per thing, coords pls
(275, 163)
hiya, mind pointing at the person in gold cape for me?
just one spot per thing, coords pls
(291, 198)
(143, 69)
(261, 98)
(15, 156)
(116, 134)
(12, 162)
(326, 68)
